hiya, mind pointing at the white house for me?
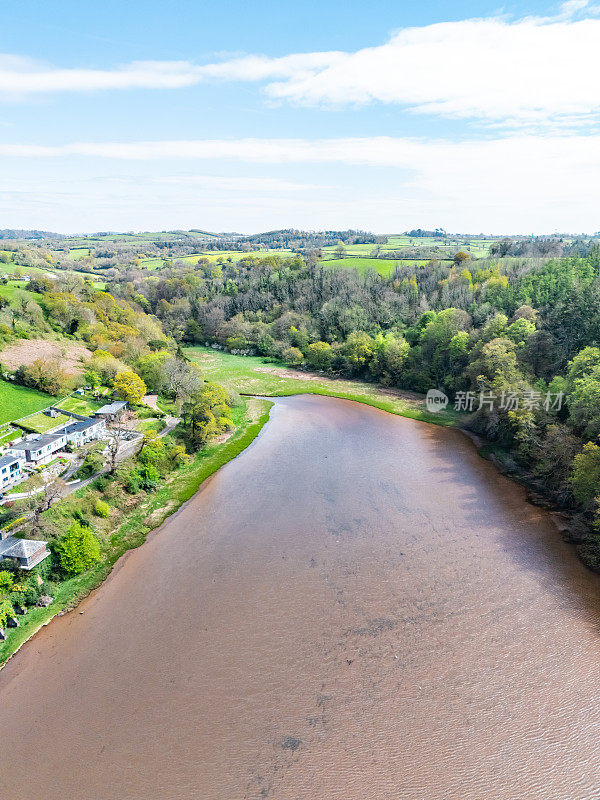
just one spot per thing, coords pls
(11, 471)
(111, 410)
(85, 430)
(40, 450)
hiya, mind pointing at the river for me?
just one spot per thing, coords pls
(356, 608)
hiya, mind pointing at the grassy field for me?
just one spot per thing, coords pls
(212, 255)
(384, 266)
(381, 265)
(18, 401)
(41, 423)
(257, 376)
(77, 253)
(79, 405)
(13, 288)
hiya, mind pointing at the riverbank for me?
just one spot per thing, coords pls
(139, 521)
(357, 606)
(255, 375)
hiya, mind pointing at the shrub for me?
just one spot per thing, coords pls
(101, 509)
(77, 550)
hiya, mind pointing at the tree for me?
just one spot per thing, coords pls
(45, 493)
(319, 355)
(461, 257)
(151, 370)
(129, 386)
(182, 380)
(92, 379)
(585, 476)
(77, 550)
(292, 356)
(206, 414)
(45, 375)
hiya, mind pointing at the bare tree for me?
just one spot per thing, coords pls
(181, 379)
(46, 491)
(118, 431)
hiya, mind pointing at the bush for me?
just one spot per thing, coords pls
(77, 550)
(101, 509)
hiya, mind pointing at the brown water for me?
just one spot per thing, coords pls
(357, 608)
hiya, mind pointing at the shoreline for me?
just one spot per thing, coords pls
(221, 453)
(164, 503)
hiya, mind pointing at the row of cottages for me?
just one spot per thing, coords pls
(43, 449)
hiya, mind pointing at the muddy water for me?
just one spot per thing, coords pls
(357, 608)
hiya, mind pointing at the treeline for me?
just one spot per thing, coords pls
(516, 328)
(292, 239)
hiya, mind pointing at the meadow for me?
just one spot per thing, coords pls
(212, 255)
(254, 375)
(384, 266)
(18, 401)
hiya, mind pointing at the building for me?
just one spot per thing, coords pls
(111, 410)
(85, 430)
(11, 471)
(40, 450)
(28, 553)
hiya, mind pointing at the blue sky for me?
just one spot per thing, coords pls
(253, 116)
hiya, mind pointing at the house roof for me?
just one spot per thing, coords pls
(33, 550)
(112, 408)
(6, 461)
(37, 444)
(11, 547)
(82, 424)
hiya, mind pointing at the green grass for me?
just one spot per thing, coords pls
(41, 423)
(133, 530)
(384, 266)
(79, 405)
(12, 289)
(212, 255)
(8, 433)
(380, 265)
(253, 375)
(76, 253)
(18, 401)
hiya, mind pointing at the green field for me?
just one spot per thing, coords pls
(445, 247)
(384, 266)
(381, 265)
(79, 405)
(12, 288)
(77, 253)
(212, 255)
(41, 423)
(18, 401)
(257, 376)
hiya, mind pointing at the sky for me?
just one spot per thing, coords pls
(238, 116)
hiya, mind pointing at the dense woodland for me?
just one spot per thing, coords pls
(504, 325)
(501, 326)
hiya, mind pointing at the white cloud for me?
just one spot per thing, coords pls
(537, 70)
(513, 184)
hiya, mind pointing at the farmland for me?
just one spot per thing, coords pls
(26, 351)
(212, 255)
(17, 401)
